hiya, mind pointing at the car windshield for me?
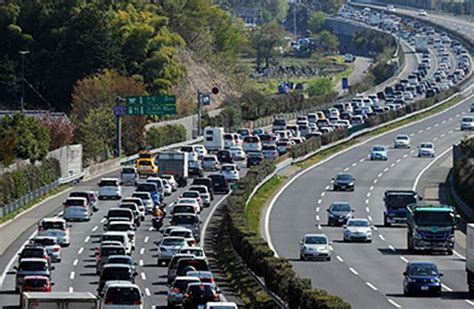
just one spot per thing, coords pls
(402, 137)
(45, 241)
(358, 223)
(128, 171)
(400, 200)
(181, 285)
(141, 196)
(436, 218)
(53, 226)
(187, 201)
(423, 270)
(119, 213)
(115, 273)
(429, 146)
(106, 251)
(183, 209)
(195, 252)
(36, 283)
(173, 242)
(344, 177)
(144, 163)
(29, 266)
(378, 148)
(108, 183)
(341, 207)
(178, 220)
(147, 187)
(32, 252)
(178, 233)
(119, 260)
(191, 194)
(209, 159)
(228, 168)
(122, 295)
(193, 164)
(122, 227)
(112, 237)
(201, 291)
(74, 202)
(316, 240)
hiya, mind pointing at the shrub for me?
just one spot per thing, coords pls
(320, 86)
(166, 135)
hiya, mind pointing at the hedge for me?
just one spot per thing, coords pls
(165, 135)
(27, 178)
(464, 172)
(277, 273)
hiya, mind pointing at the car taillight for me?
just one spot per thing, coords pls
(175, 291)
(137, 302)
(108, 302)
(46, 257)
(57, 249)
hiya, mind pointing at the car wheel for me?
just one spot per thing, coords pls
(369, 241)
(328, 259)
(450, 252)
(302, 257)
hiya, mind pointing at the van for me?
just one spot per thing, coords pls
(124, 213)
(123, 295)
(279, 124)
(129, 176)
(251, 143)
(229, 140)
(77, 209)
(214, 138)
(109, 188)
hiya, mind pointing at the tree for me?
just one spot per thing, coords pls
(325, 42)
(316, 21)
(61, 131)
(274, 10)
(320, 86)
(31, 138)
(265, 41)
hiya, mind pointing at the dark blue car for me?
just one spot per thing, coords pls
(152, 188)
(422, 277)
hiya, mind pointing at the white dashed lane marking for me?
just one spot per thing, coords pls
(381, 237)
(447, 288)
(339, 258)
(95, 228)
(76, 261)
(369, 217)
(147, 292)
(370, 285)
(146, 239)
(353, 271)
(394, 303)
(320, 201)
(143, 276)
(346, 169)
(71, 289)
(87, 239)
(72, 275)
(142, 251)
(403, 259)
(80, 251)
(367, 209)
(317, 218)
(391, 248)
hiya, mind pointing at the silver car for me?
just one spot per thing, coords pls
(51, 245)
(315, 246)
(168, 246)
(146, 200)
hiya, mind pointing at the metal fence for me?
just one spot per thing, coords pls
(22, 201)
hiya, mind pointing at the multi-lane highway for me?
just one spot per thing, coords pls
(369, 275)
(76, 272)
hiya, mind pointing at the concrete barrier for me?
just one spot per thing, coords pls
(107, 166)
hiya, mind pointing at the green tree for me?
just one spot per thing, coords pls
(325, 42)
(265, 42)
(316, 21)
(274, 10)
(320, 86)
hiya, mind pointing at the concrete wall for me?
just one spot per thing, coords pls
(70, 159)
(100, 168)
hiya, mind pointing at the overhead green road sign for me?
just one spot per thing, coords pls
(150, 105)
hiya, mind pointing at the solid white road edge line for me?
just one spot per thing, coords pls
(418, 177)
(394, 303)
(208, 220)
(285, 186)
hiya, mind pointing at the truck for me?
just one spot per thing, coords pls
(396, 202)
(174, 163)
(214, 139)
(470, 256)
(431, 227)
(421, 43)
(59, 300)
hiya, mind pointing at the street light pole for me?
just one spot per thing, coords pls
(22, 100)
(199, 112)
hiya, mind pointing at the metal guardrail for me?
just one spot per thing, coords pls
(22, 201)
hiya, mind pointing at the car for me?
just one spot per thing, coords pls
(168, 189)
(195, 169)
(129, 176)
(339, 213)
(343, 181)
(35, 284)
(199, 294)
(55, 227)
(225, 156)
(191, 151)
(109, 188)
(50, 244)
(401, 141)
(203, 193)
(122, 236)
(120, 259)
(251, 143)
(114, 272)
(183, 208)
(178, 288)
(90, 196)
(195, 251)
(210, 163)
(421, 277)
(204, 276)
(146, 200)
(106, 250)
(168, 246)
(422, 13)
(189, 201)
(122, 294)
(378, 152)
(254, 158)
(191, 221)
(426, 149)
(221, 305)
(205, 181)
(137, 201)
(315, 246)
(467, 123)
(230, 172)
(191, 264)
(270, 152)
(238, 154)
(220, 184)
(33, 251)
(357, 230)
(195, 195)
(173, 265)
(31, 267)
(185, 233)
(171, 181)
(77, 209)
(135, 210)
(122, 226)
(201, 151)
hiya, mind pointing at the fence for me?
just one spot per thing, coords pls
(22, 201)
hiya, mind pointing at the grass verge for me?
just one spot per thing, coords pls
(257, 202)
(237, 275)
(15, 213)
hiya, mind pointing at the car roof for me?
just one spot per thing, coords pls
(115, 233)
(35, 277)
(113, 179)
(120, 283)
(359, 219)
(116, 265)
(121, 256)
(53, 219)
(173, 237)
(200, 283)
(316, 235)
(26, 260)
(188, 278)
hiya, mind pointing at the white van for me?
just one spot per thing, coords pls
(252, 143)
(122, 237)
(122, 295)
(214, 138)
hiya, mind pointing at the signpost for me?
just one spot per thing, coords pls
(150, 105)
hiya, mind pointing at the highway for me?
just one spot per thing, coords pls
(372, 270)
(76, 272)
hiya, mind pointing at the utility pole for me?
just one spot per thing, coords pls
(119, 112)
(22, 99)
(199, 99)
(294, 20)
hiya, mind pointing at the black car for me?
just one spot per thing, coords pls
(199, 294)
(195, 169)
(224, 156)
(205, 181)
(343, 181)
(123, 272)
(254, 158)
(219, 183)
(388, 90)
(339, 213)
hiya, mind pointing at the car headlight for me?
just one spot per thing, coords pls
(435, 280)
(331, 215)
(417, 235)
(411, 280)
(351, 184)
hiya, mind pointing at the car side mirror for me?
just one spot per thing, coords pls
(69, 225)
(15, 267)
(441, 274)
(52, 268)
(301, 242)
(405, 273)
(353, 210)
(135, 274)
(53, 283)
(344, 226)
(420, 198)
(332, 179)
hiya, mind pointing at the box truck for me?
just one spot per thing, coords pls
(421, 43)
(174, 163)
(59, 300)
(214, 139)
(470, 257)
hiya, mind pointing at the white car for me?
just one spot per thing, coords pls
(51, 245)
(203, 192)
(171, 180)
(146, 200)
(230, 172)
(109, 188)
(55, 227)
(123, 226)
(137, 201)
(422, 13)
(185, 233)
(401, 141)
(221, 305)
(168, 188)
(357, 229)
(238, 154)
(201, 151)
(194, 195)
(121, 294)
(467, 123)
(426, 150)
(196, 251)
(168, 247)
(315, 246)
(189, 201)
(210, 163)
(77, 209)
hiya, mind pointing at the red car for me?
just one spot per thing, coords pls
(35, 284)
